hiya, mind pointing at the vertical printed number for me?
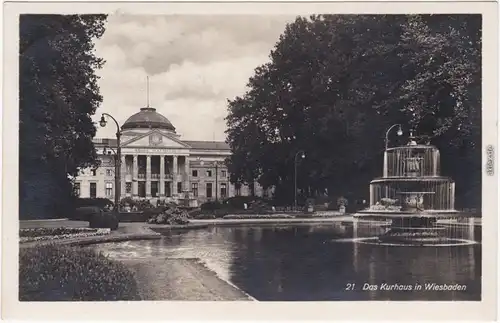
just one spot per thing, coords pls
(490, 160)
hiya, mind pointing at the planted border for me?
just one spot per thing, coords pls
(61, 273)
(257, 216)
(70, 233)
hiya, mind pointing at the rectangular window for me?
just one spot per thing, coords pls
(128, 187)
(209, 173)
(168, 190)
(93, 190)
(223, 173)
(109, 172)
(238, 191)
(77, 189)
(93, 172)
(109, 189)
(209, 190)
(194, 188)
(154, 189)
(223, 190)
(179, 187)
(194, 173)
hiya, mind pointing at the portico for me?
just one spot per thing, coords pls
(154, 175)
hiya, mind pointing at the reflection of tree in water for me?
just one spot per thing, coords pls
(303, 263)
(290, 263)
(411, 265)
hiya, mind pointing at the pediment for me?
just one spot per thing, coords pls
(155, 139)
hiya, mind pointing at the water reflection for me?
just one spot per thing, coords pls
(307, 263)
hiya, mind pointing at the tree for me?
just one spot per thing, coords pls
(335, 83)
(58, 95)
(443, 96)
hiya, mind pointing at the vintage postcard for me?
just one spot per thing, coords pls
(250, 160)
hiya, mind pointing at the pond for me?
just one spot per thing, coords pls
(321, 262)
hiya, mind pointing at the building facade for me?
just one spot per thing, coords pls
(156, 164)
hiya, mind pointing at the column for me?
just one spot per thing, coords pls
(435, 162)
(135, 175)
(123, 176)
(186, 173)
(384, 171)
(162, 176)
(148, 176)
(174, 174)
(452, 196)
(372, 198)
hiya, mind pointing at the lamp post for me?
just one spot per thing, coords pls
(302, 155)
(400, 133)
(118, 159)
(216, 182)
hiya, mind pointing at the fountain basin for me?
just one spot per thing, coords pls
(389, 215)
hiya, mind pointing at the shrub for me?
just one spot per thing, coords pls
(127, 201)
(102, 203)
(104, 220)
(178, 219)
(143, 205)
(84, 213)
(259, 206)
(61, 273)
(154, 211)
(194, 213)
(171, 215)
(133, 217)
(203, 216)
(210, 206)
(237, 202)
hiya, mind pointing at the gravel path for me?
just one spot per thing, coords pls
(182, 280)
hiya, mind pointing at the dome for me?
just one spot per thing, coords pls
(148, 118)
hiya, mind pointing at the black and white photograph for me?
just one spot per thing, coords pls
(272, 157)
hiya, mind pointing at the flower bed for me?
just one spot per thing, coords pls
(257, 216)
(326, 214)
(61, 273)
(379, 207)
(43, 234)
(170, 215)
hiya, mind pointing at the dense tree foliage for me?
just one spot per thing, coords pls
(333, 86)
(58, 94)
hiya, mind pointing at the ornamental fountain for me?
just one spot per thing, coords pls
(411, 196)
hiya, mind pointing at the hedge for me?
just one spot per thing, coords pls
(84, 213)
(62, 273)
(257, 216)
(104, 220)
(98, 202)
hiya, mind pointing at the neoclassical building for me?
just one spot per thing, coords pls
(157, 164)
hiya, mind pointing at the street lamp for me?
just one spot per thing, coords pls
(118, 160)
(295, 160)
(400, 133)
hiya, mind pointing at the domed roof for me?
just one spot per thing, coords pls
(148, 118)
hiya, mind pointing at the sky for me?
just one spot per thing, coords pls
(194, 64)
